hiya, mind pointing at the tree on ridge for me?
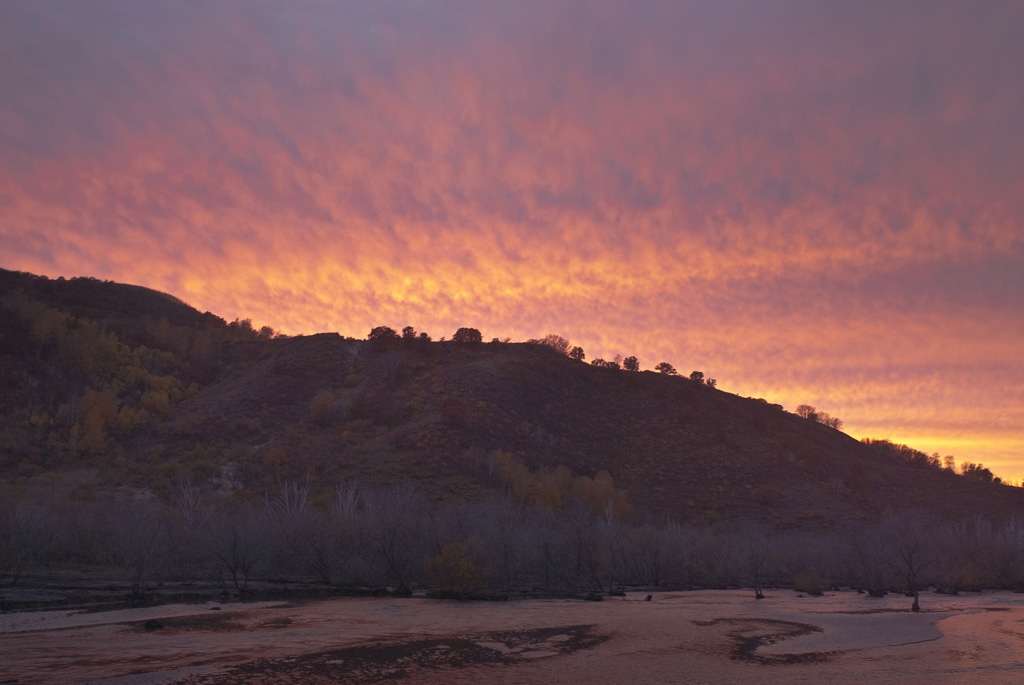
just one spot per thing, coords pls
(467, 335)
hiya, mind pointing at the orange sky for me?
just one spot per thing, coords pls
(813, 203)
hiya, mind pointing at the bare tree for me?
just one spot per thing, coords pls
(517, 557)
(239, 541)
(906, 536)
(26, 538)
(138, 542)
(759, 551)
(187, 532)
(293, 502)
(869, 564)
(644, 555)
(346, 499)
(806, 411)
(189, 501)
(396, 513)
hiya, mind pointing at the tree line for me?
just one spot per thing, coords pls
(394, 537)
(556, 342)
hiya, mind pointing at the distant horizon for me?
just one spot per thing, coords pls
(815, 204)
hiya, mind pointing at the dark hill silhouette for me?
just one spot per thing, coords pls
(146, 390)
(125, 308)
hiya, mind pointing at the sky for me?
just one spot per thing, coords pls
(814, 202)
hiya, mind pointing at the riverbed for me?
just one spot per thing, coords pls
(711, 636)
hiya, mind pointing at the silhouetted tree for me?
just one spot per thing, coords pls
(467, 335)
(976, 472)
(382, 333)
(807, 411)
(631, 364)
(697, 376)
(242, 327)
(424, 337)
(666, 368)
(830, 421)
(408, 333)
(577, 354)
(711, 382)
(555, 342)
(811, 414)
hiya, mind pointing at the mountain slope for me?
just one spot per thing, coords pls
(145, 390)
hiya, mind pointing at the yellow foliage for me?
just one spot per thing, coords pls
(50, 324)
(551, 489)
(547, 493)
(275, 456)
(99, 410)
(455, 570)
(100, 403)
(91, 434)
(128, 419)
(156, 402)
(321, 408)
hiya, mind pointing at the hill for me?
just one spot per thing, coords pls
(129, 387)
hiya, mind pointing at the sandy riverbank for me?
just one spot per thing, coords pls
(692, 637)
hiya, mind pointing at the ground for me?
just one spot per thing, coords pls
(691, 637)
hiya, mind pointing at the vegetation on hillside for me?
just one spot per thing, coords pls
(515, 464)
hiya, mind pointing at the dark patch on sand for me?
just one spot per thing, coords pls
(749, 634)
(378, 661)
(210, 623)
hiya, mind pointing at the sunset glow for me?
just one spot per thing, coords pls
(816, 203)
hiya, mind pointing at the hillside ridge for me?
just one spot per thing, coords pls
(144, 390)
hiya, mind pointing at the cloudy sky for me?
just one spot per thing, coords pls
(812, 201)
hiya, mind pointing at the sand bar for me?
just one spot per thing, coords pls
(685, 637)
